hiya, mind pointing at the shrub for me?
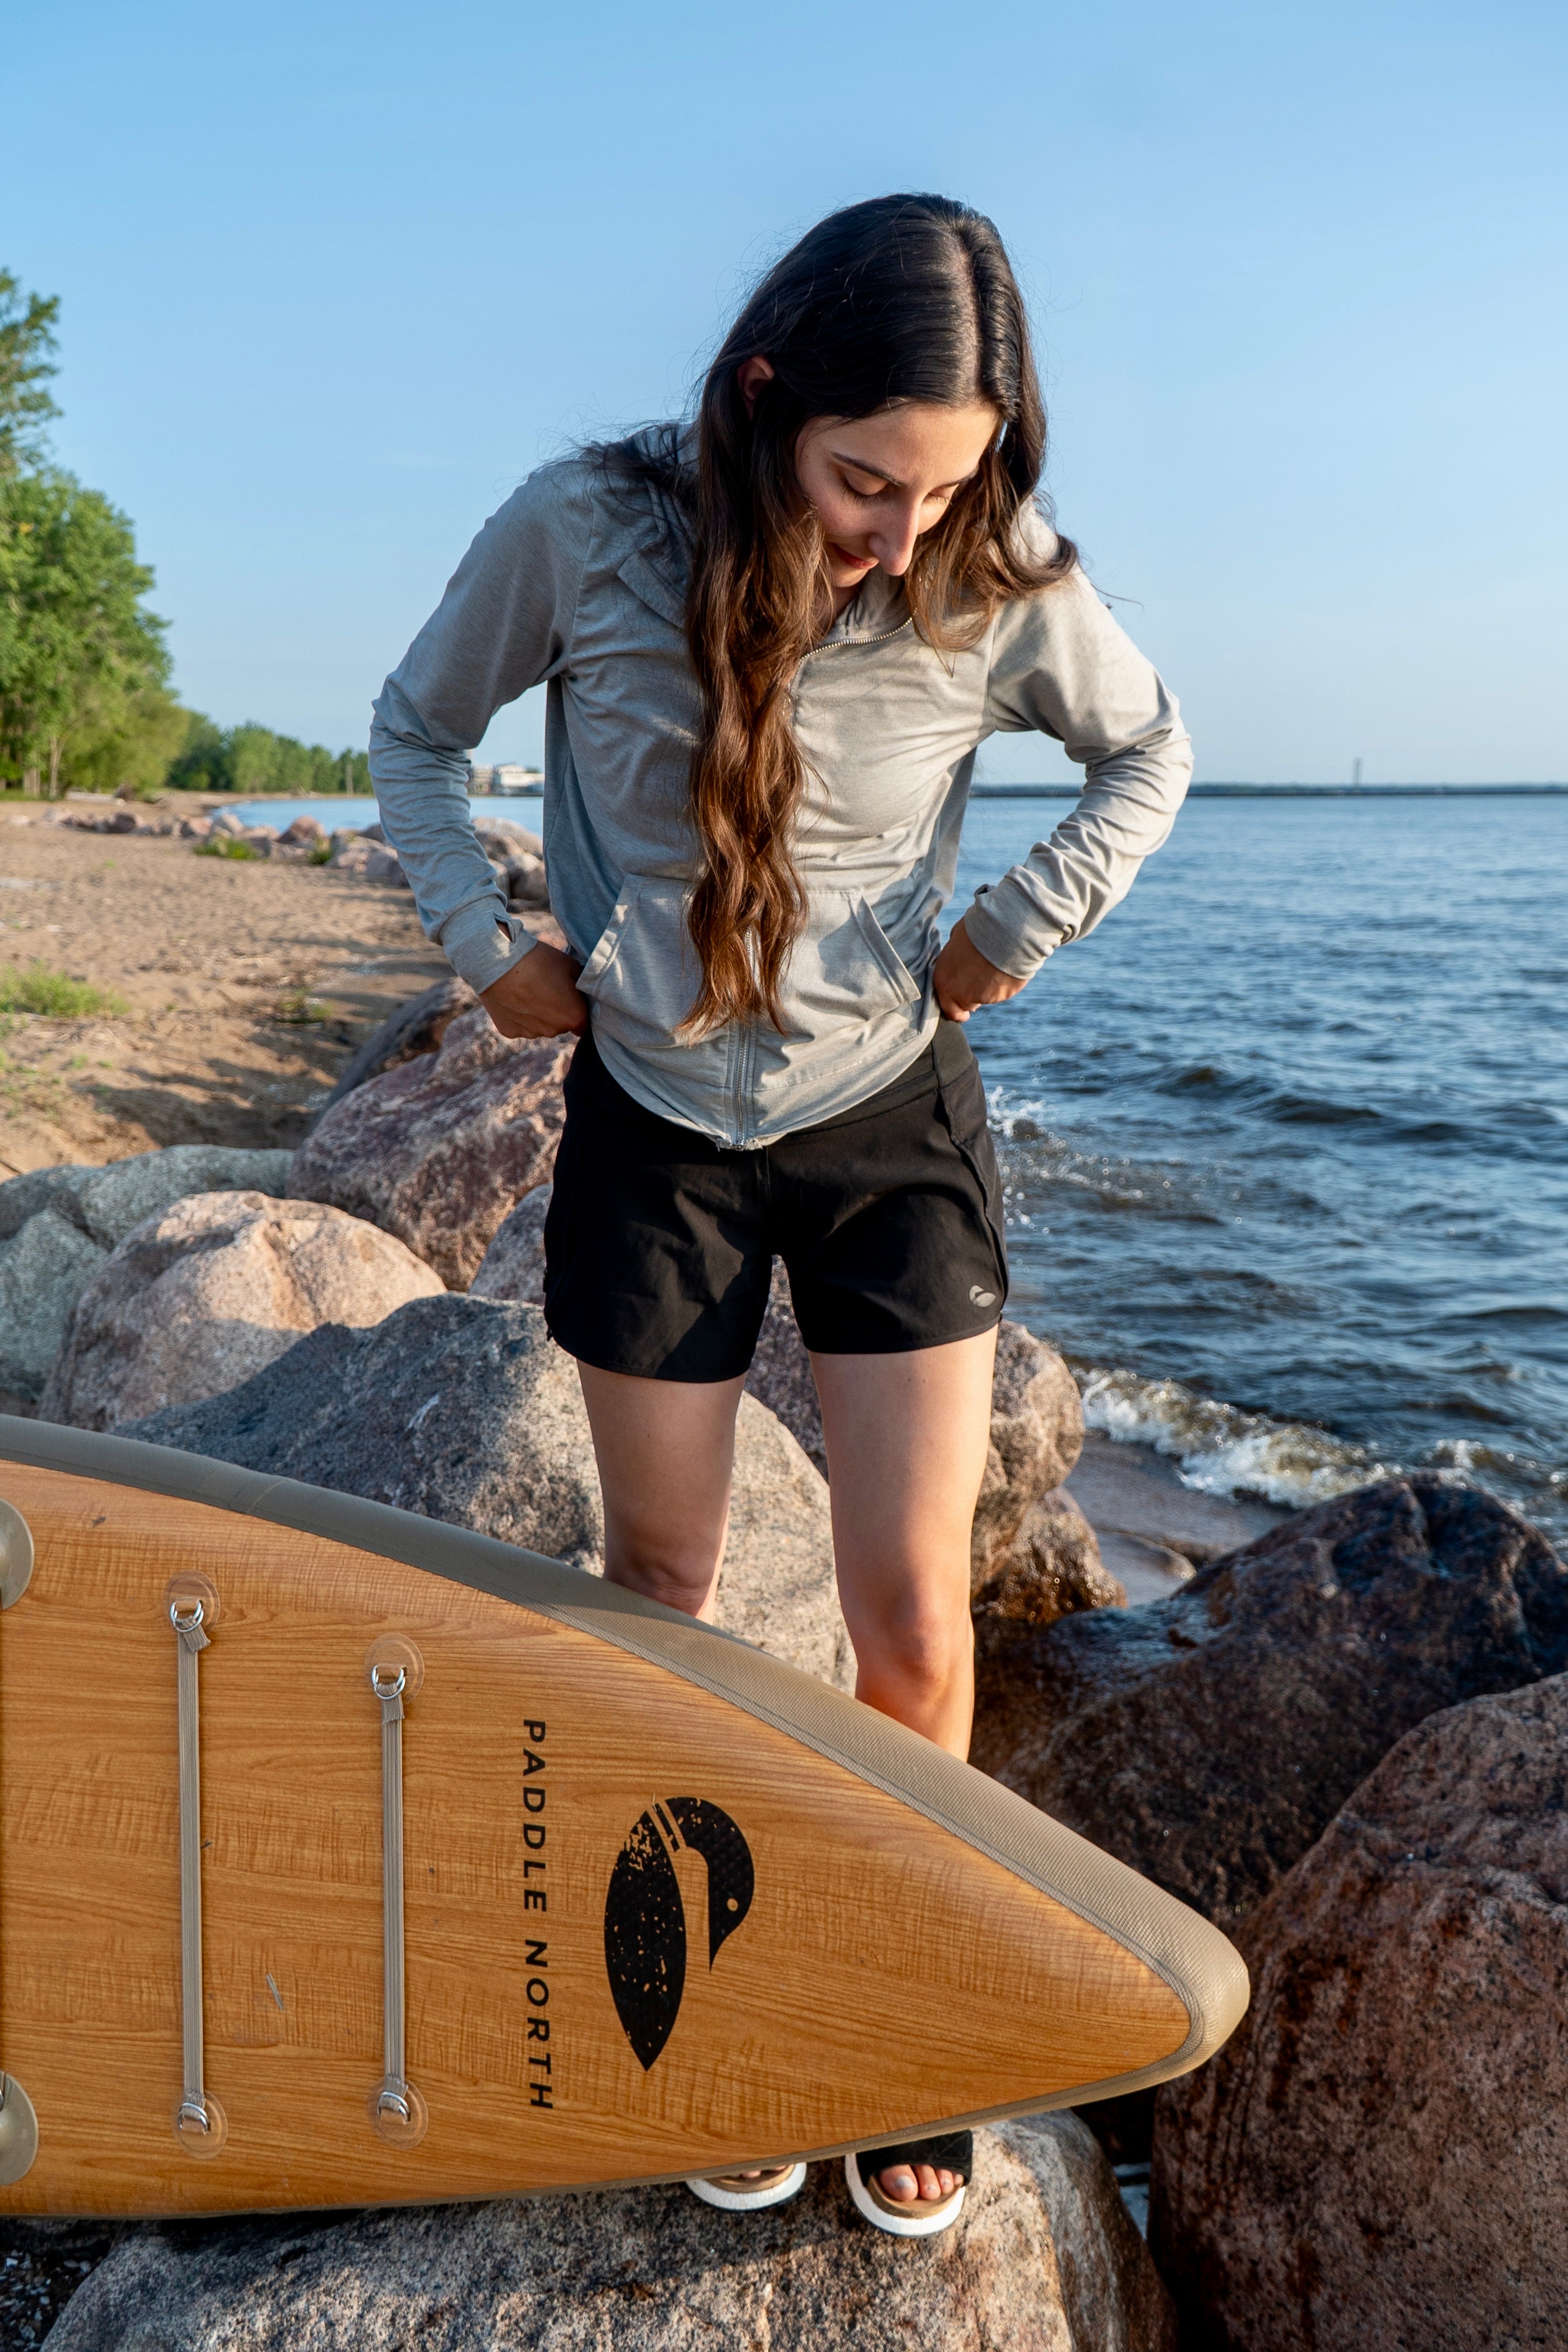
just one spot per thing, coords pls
(54, 994)
(226, 845)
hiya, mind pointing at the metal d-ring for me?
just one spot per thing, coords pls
(395, 1670)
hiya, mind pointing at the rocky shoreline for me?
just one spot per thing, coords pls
(1338, 1734)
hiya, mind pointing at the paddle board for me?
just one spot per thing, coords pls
(350, 1859)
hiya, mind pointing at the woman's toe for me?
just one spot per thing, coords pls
(899, 2183)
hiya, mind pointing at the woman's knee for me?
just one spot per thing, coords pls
(678, 1570)
(924, 1646)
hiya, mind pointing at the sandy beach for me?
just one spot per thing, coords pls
(247, 988)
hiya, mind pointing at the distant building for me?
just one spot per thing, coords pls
(506, 778)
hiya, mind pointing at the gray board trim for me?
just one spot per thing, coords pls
(1194, 1960)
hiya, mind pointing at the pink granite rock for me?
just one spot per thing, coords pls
(1036, 1436)
(1052, 1568)
(1377, 2161)
(200, 1297)
(780, 1376)
(514, 1263)
(438, 1150)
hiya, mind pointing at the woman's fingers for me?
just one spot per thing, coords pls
(539, 997)
(963, 979)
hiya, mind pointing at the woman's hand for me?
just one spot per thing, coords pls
(538, 997)
(963, 977)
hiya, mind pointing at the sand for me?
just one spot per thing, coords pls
(248, 987)
(1152, 1530)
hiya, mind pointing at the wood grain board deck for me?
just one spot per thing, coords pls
(879, 1938)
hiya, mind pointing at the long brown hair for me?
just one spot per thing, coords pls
(905, 298)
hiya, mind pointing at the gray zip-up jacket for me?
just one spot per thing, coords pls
(580, 581)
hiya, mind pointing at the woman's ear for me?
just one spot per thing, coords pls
(751, 375)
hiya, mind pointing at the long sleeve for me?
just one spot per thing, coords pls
(1061, 666)
(503, 625)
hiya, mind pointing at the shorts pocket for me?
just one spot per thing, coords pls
(961, 1089)
(963, 1099)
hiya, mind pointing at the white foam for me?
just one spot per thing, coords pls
(1221, 1449)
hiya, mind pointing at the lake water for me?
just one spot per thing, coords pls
(1286, 1142)
(1286, 1139)
(353, 812)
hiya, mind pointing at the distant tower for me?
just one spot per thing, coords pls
(1355, 776)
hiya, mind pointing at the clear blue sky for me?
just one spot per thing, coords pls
(336, 275)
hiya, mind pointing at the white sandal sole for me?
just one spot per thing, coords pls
(750, 2200)
(915, 2223)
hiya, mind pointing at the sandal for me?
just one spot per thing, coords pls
(918, 2217)
(749, 2192)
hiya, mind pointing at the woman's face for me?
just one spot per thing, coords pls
(879, 482)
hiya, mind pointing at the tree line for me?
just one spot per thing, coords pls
(85, 699)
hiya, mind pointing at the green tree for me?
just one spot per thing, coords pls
(131, 749)
(84, 670)
(27, 344)
(255, 759)
(201, 761)
(82, 663)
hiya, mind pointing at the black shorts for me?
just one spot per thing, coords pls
(659, 1244)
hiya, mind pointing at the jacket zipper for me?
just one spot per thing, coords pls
(743, 1059)
(845, 645)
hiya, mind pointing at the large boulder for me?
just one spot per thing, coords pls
(194, 1301)
(464, 1410)
(366, 854)
(417, 1027)
(1378, 2158)
(1043, 2259)
(1053, 1569)
(513, 1265)
(499, 838)
(780, 1376)
(1037, 1435)
(438, 1149)
(1209, 1739)
(58, 1225)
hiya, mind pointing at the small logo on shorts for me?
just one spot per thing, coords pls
(978, 1297)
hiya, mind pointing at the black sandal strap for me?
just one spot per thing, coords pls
(948, 2152)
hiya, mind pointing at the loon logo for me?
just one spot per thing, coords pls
(645, 1920)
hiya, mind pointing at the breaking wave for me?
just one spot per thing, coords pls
(1220, 1448)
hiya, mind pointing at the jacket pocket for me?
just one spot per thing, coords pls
(643, 967)
(845, 967)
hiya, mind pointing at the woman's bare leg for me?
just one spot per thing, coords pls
(665, 1450)
(906, 1452)
(906, 1445)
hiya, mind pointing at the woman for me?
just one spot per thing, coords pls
(773, 642)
